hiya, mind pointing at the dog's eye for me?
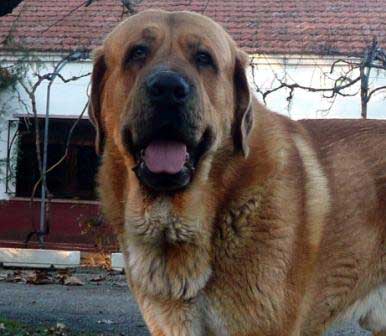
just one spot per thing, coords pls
(138, 53)
(203, 58)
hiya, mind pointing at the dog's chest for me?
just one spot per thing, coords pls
(213, 318)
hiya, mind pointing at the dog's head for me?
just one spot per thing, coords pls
(169, 89)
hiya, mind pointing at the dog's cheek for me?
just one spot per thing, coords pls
(119, 112)
(223, 111)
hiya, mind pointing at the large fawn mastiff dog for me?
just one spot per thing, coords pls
(233, 220)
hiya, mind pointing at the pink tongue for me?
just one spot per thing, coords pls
(165, 156)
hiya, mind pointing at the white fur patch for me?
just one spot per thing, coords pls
(147, 268)
(213, 320)
(369, 311)
(146, 260)
(317, 191)
(318, 203)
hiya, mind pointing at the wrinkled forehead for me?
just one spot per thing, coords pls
(176, 29)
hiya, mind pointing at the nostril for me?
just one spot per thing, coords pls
(155, 88)
(181, 91)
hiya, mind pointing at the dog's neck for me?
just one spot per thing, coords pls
(161, 234)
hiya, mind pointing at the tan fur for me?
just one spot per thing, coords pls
(281, 241)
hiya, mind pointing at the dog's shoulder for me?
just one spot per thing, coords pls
(330, 131)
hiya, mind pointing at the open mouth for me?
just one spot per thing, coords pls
(169, 163)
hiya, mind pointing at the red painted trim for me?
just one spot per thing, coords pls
(72, 226)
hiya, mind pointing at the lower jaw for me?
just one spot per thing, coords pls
(163, 182)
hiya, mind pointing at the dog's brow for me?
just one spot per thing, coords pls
(147, 37)
(150, 33)
(194, 41)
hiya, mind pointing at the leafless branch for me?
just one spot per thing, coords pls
(356, 70)
(206, 6)
(349, 63)
(337, 89)
(375, 90)
(73, 78)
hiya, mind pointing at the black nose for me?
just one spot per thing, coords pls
(167, 87)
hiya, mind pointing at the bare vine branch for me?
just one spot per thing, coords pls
(373, 58)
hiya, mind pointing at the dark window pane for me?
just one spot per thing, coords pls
(75, 177)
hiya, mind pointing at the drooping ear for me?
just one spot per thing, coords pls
(94, 105)
(243, 119)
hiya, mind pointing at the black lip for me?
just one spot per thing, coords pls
(162, 181)
(172, 182)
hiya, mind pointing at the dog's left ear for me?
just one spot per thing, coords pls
(94, 104)
(243, 119)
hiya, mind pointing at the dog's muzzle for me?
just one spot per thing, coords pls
(167, 138)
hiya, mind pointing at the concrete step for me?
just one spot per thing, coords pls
(117, 263)
(39, 258)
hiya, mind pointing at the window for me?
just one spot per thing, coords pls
(74, 178)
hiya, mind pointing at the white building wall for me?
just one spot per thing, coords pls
(69, 99)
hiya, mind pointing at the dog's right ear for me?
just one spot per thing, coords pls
(243, 123)
(95, 103)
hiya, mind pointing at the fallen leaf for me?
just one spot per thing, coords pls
(38, 278)
(73, 281)
(60, 326)
(105, 322)
(15, 276)
(62, 275)
(3, 276)
(98, 278)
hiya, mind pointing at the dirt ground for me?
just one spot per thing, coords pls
(88, 301)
